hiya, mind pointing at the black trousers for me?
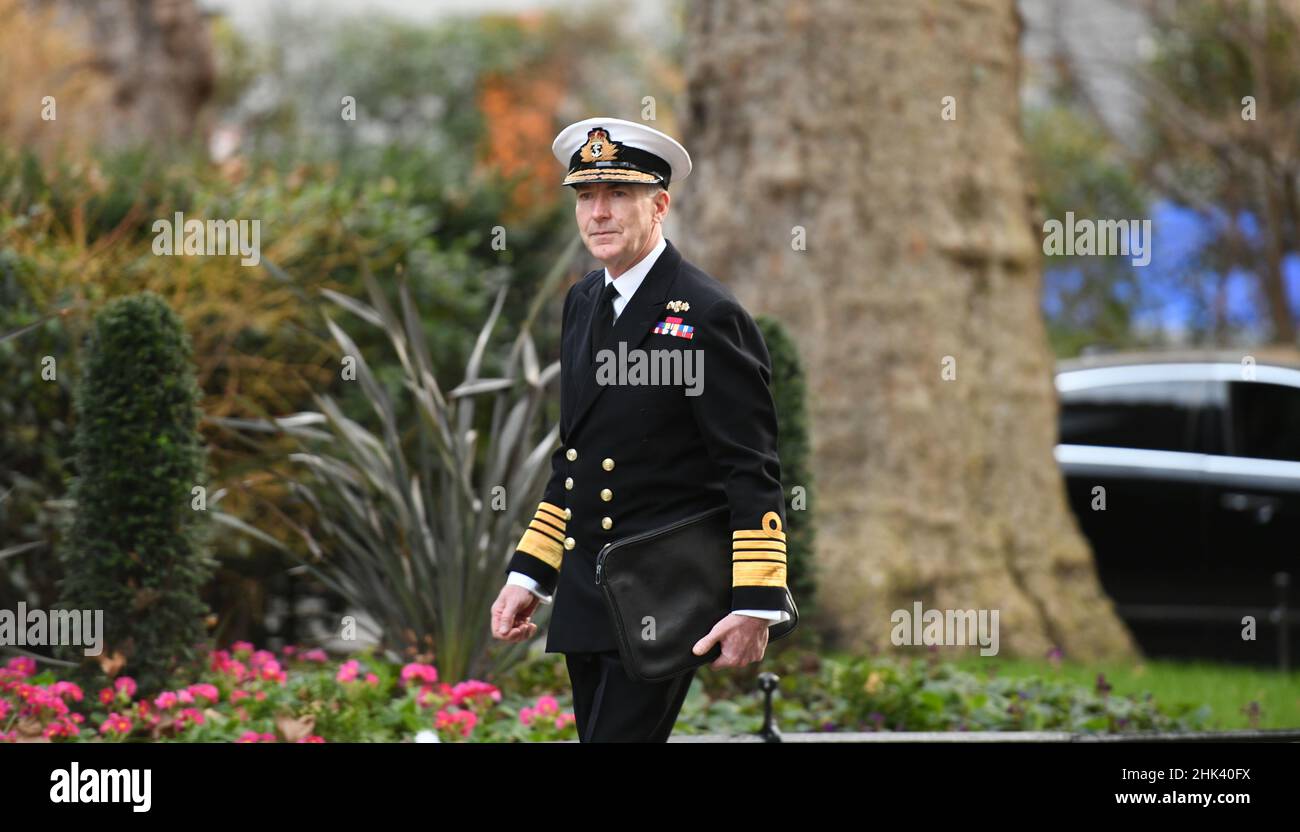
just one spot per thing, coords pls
(611, 706)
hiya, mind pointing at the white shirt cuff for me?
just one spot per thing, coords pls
(776, 616)
(520, 579)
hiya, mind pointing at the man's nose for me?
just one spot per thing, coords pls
(600, 206)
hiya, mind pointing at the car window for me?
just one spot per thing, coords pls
(1265, 420)
(1153, 415)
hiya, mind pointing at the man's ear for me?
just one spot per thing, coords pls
(662, 200)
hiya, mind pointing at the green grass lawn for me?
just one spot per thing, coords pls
(1227, 689)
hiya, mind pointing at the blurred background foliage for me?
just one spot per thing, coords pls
(449, 154)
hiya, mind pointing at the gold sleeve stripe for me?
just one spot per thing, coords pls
(756, 534)
(758, 574)
(543, 521)
(541, 547)
(774, 557)
(758, 553)
(542, 528)
(555, 511)
(772, 545)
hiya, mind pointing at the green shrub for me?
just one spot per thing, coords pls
(134, 550)
(789, 392)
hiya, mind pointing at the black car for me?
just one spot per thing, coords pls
(1184, 475)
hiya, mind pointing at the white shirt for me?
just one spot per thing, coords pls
(629, 281)
(626, 285)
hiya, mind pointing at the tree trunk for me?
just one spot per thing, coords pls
(826, 115)
(156, 55)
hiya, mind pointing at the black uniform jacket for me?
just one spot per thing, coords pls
(638, 456)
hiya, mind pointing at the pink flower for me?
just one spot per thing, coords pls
(184, 697)
(242, 647)
(545, 705)
(271, 672)
(115, 724)
(236, 695)
(315, 655)
(564, 719)
(203, 690)
(165, 700)
(61, 728)
(106, 696)
(450, 719)
(288, 650)
(4, 709)
(22, 666)
(61, 688)
(312, 738)
(188, 717)
(125, 684)
(222, 663)
(372, 679)
(474, 688)
(348, 671)
(261, 659)
(38, 700)
(426, 673)
(253, 736)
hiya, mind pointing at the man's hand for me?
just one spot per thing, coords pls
(743, 637)
(511, 614)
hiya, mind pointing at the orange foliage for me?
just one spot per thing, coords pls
(518, 112)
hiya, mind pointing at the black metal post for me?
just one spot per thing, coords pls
(767, 683)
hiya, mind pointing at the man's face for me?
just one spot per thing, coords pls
(617, 221)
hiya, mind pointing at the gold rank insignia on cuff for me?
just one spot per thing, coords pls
(758, 555)
(544, 537)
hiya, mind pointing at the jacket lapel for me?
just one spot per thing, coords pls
(633, 325)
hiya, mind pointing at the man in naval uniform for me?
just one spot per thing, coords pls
(635, 457)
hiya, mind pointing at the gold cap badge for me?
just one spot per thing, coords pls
(599, 148)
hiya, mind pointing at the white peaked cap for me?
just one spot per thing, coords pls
(615, 150)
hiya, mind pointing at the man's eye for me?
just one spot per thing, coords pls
(619, 193)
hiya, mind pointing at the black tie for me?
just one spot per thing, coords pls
(603, 319)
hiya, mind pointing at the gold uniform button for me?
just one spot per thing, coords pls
(568, 514)
(606, 494)
(606, 523)
(572, 454)
(608, 464)
(569, 543)
(568, 483)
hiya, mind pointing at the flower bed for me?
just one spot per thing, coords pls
(250, 695)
